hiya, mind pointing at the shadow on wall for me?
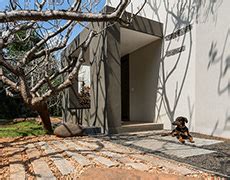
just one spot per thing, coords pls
(97, 63)
(209, 10)
(182, 13)
(176, 14)
(221, 59)
(227, 122)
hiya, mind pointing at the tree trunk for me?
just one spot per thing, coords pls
(43, 112)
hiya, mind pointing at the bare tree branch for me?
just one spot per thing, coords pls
(7, 65)
(10, 83)
(69, 80)
(43, 33)
(29, 54)
(26, 15)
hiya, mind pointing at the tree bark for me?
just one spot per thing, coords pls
(43, 112)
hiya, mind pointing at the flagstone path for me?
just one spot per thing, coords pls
(69, 158)
(207, 153)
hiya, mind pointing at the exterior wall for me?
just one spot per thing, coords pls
(104, 59)
(213, 70)
(98, 54)
(70, 101)
(194, 83)
(105, 80)
(144, 71)
(175, 92)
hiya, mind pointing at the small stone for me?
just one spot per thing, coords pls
(68, 130)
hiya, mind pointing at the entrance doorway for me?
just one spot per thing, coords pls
(125, 112)
(139, 67)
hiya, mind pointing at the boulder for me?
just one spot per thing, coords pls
(68, 130)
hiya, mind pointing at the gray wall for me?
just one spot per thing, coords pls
(94, 57)
(98, 55)
(104, 59)
(144, 70)
(104, 56)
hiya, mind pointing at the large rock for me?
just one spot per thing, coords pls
(68, 130)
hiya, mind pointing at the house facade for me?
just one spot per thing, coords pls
(173, 60)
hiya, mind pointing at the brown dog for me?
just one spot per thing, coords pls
(181, 131)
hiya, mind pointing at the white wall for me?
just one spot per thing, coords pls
(176, 83)
(189, 84)
(213, 70)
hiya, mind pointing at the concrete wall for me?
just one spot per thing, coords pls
(105, 80)
(104, 59)
(94, 56)
(213, 70)
(98, 113)
(194, 83)
(176, 82)
(105, 55)
(144, 70)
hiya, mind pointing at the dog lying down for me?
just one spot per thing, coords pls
(181, 131)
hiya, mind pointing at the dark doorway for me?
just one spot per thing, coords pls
(125, 88)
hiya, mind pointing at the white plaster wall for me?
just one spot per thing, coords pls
(201, 72)
(176, 95)
(143, 72)
(213, 70)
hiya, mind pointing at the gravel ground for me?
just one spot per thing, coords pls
(218, 162)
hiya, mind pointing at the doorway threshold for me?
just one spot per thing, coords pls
(137, 127)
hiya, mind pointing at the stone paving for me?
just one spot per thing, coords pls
(57, 159)
(160, 144)
(212, 155)
(68, 158)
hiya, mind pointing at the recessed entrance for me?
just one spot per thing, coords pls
(140, 57)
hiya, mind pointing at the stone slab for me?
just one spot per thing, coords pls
(82, 160)
(179, 150)
(105, 161)
(198, 141)
(91, 145)
(99, 145)
(80, 149)
(112, 154)
(17, 169)
(17, 172)
(40, 167)
(63, 165)
(156, 162)
(116, 148)
(131, 163)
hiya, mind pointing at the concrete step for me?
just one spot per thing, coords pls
(137, 127)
